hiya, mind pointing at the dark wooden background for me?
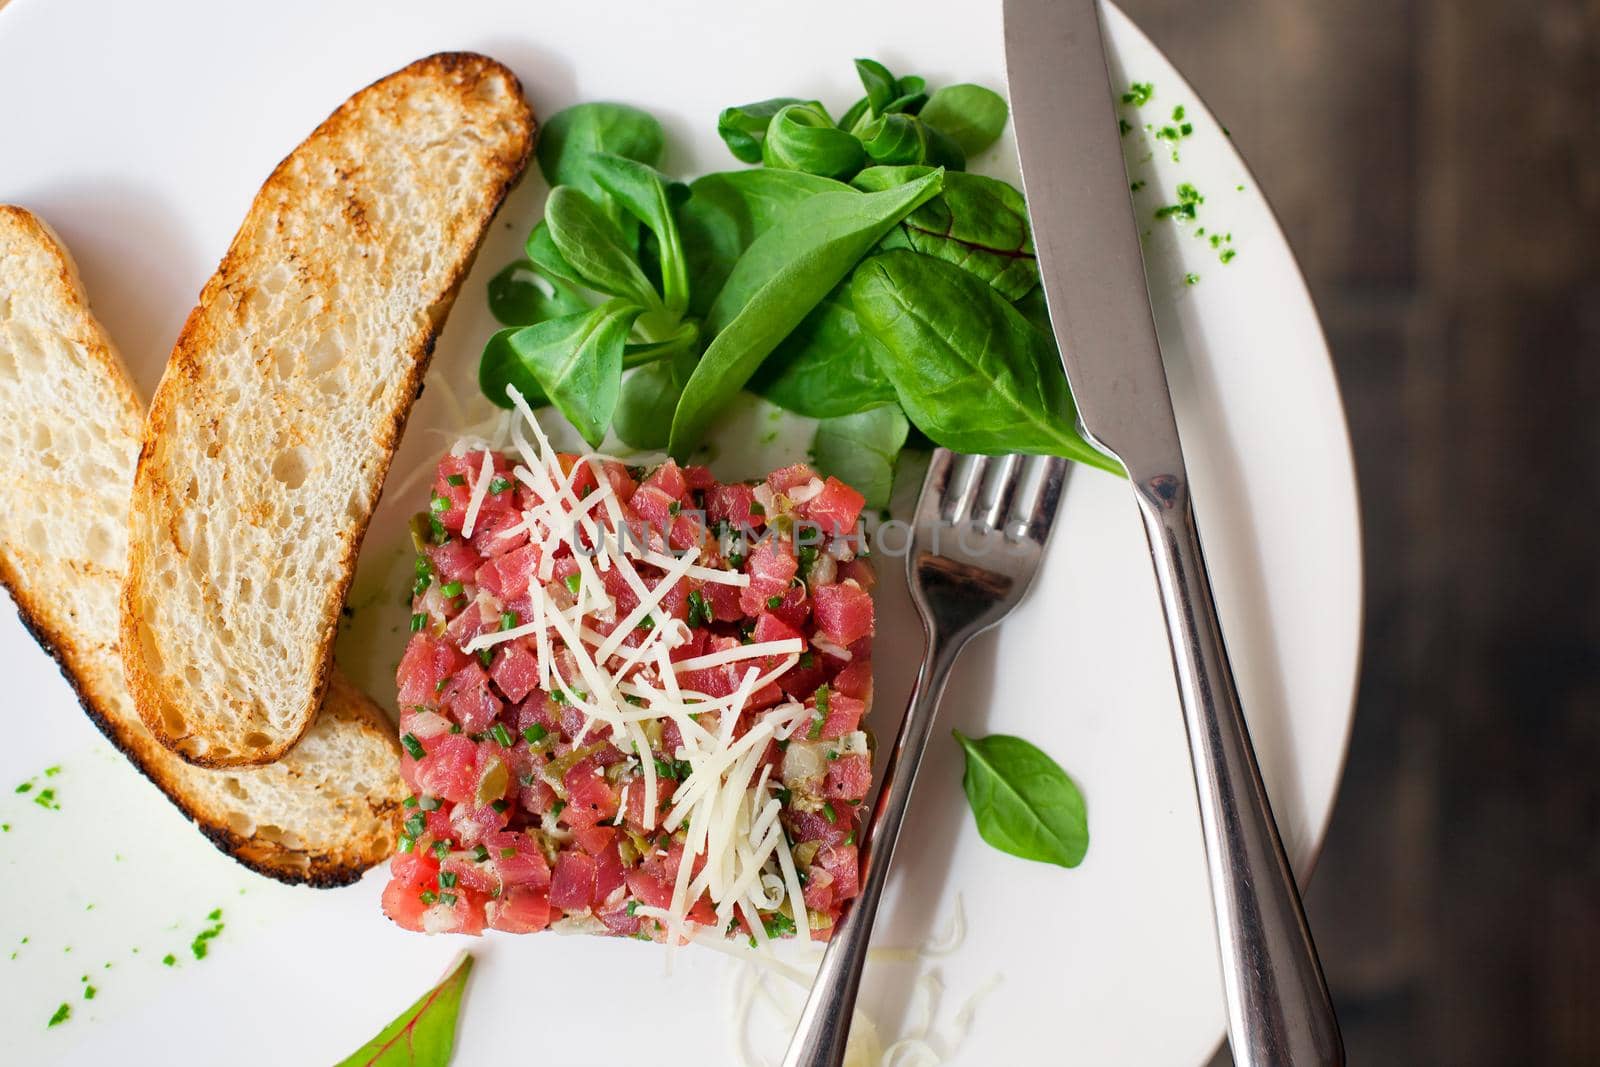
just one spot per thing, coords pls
(1434, 164)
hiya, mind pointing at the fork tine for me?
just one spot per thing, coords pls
(1000, 487)
(1030, 483)
(1053, 477)
(935, 483)
(961, 491)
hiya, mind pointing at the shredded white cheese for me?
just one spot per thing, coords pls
(725, 806)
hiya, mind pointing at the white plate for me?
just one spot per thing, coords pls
(141, 131)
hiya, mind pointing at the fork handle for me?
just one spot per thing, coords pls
(1279, 1012)
(824, 1028)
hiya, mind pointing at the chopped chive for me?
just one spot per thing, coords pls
(169, 960)
(508, 853)
(441, 849)
(828, 812)
(418, 621)
(775, 601)
(498, 485)
(428, 896)
(415, 825)
(439, 504)
(558, 807)
(573, 583)
(63, 1013)
(646, 623)
(757, 508)
(451, 589)
(807, 660)
(535, 733)
(501, 734)
(413, 746)
(784, 796)
(500, 805)
(447, 880)
(456, 479)
(410, 801)
(509, 619)
(850, 838)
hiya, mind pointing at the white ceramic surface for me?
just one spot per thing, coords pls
(141, 131)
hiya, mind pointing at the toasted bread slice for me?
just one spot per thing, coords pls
(69, 434)
(271, 432)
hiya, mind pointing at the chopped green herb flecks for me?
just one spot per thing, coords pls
(1187, 207)
(89, 991)
(1227, 255)
(169, 960)
(62, 1014)
(1139, 94)
(1191, 279)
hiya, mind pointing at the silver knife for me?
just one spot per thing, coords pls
(1087, 241)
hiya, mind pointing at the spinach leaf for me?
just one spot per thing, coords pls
(970, 371)
(900, 139)
(643, 417)
(861, 449)
(576, 361)
(424, 1034)
(825, 367)
(1023, 802)
(743, 127)
(643, 193)
(803, 137)
(571, 139)
(981, 225)
(783, 275)
(881, 86)
(520, 296)
(859, 112)
(593, 247)
(971, 115)
(545, 256)
(726, 212)
(978, 223)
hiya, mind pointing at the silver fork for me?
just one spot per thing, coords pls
(979, 533)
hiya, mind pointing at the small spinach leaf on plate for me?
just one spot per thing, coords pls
(424, 1035)
(803, 137)
(548, 260)
(970, 371)
(825, 368)
(774, 285)
(726, 212)
(744, 126)
(575, 361)
(972, 116)
(520, 296)
(860, 450)
(594, 248)
(1023, 802)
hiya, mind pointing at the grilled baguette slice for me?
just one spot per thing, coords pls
(273, 427)
(69, 434)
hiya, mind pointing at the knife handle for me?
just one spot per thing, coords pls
(1279, 1012)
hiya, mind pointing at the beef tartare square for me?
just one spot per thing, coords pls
(632, 700)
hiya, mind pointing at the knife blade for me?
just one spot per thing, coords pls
(1092, 268)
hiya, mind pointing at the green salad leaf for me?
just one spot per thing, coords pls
(520, 296)
(644, 193)
(970, 371)
(424, 1035)
(783, 275)
(571, 139)
(970, 115)
(594, 248)
(744, 126)
(825, 368)
(1023, 802)
(803, 137)
(575, 361)
(726, 212)
(860, 450)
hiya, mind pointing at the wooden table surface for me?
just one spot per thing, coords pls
(1432, 162)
